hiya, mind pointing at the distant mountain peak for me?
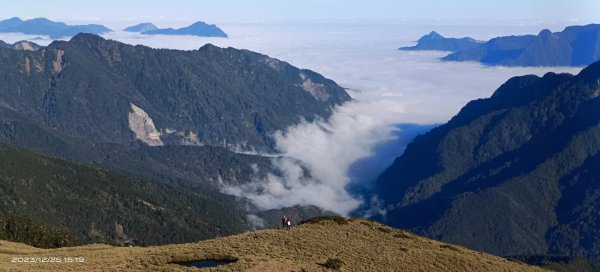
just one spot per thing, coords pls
(40, 20)
(432, 36)
(200, 23)
(43, 26)
(545, 32)
(435, 41)
(198, 28)
(143, 27)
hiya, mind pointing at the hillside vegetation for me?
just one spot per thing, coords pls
(92, 204)
(103, 91)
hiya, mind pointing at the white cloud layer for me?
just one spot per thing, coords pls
(327, 149)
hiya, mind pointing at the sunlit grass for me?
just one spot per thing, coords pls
(324, 244)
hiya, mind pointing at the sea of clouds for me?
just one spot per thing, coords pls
(390, 89)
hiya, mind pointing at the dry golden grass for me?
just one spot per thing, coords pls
(361, 246)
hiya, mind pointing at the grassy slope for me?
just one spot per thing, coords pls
(361, 245)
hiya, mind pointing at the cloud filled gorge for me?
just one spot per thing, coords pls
(316, 158)
(392, 87)
(324, 160)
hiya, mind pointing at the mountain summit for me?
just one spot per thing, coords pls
(143, 27)
(431, 36)
(435, 41)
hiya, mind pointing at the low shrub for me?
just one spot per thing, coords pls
(334, 264)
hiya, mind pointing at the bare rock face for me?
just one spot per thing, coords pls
(318, 91)
(57, 65)
(143, 127)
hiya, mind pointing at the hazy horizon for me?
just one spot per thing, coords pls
(270, 10)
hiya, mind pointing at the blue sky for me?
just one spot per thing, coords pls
(259, 10)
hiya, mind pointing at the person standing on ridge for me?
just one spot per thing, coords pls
(284, 220)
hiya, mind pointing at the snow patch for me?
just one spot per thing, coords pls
(143, 127)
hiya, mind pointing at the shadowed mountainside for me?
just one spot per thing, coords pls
(514, 174)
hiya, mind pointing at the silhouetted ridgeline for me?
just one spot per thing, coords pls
(43, 26)
(574, 46)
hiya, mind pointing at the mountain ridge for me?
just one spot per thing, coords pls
(128, 76)
(43, 26)
(574, 46)
(200, 29)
